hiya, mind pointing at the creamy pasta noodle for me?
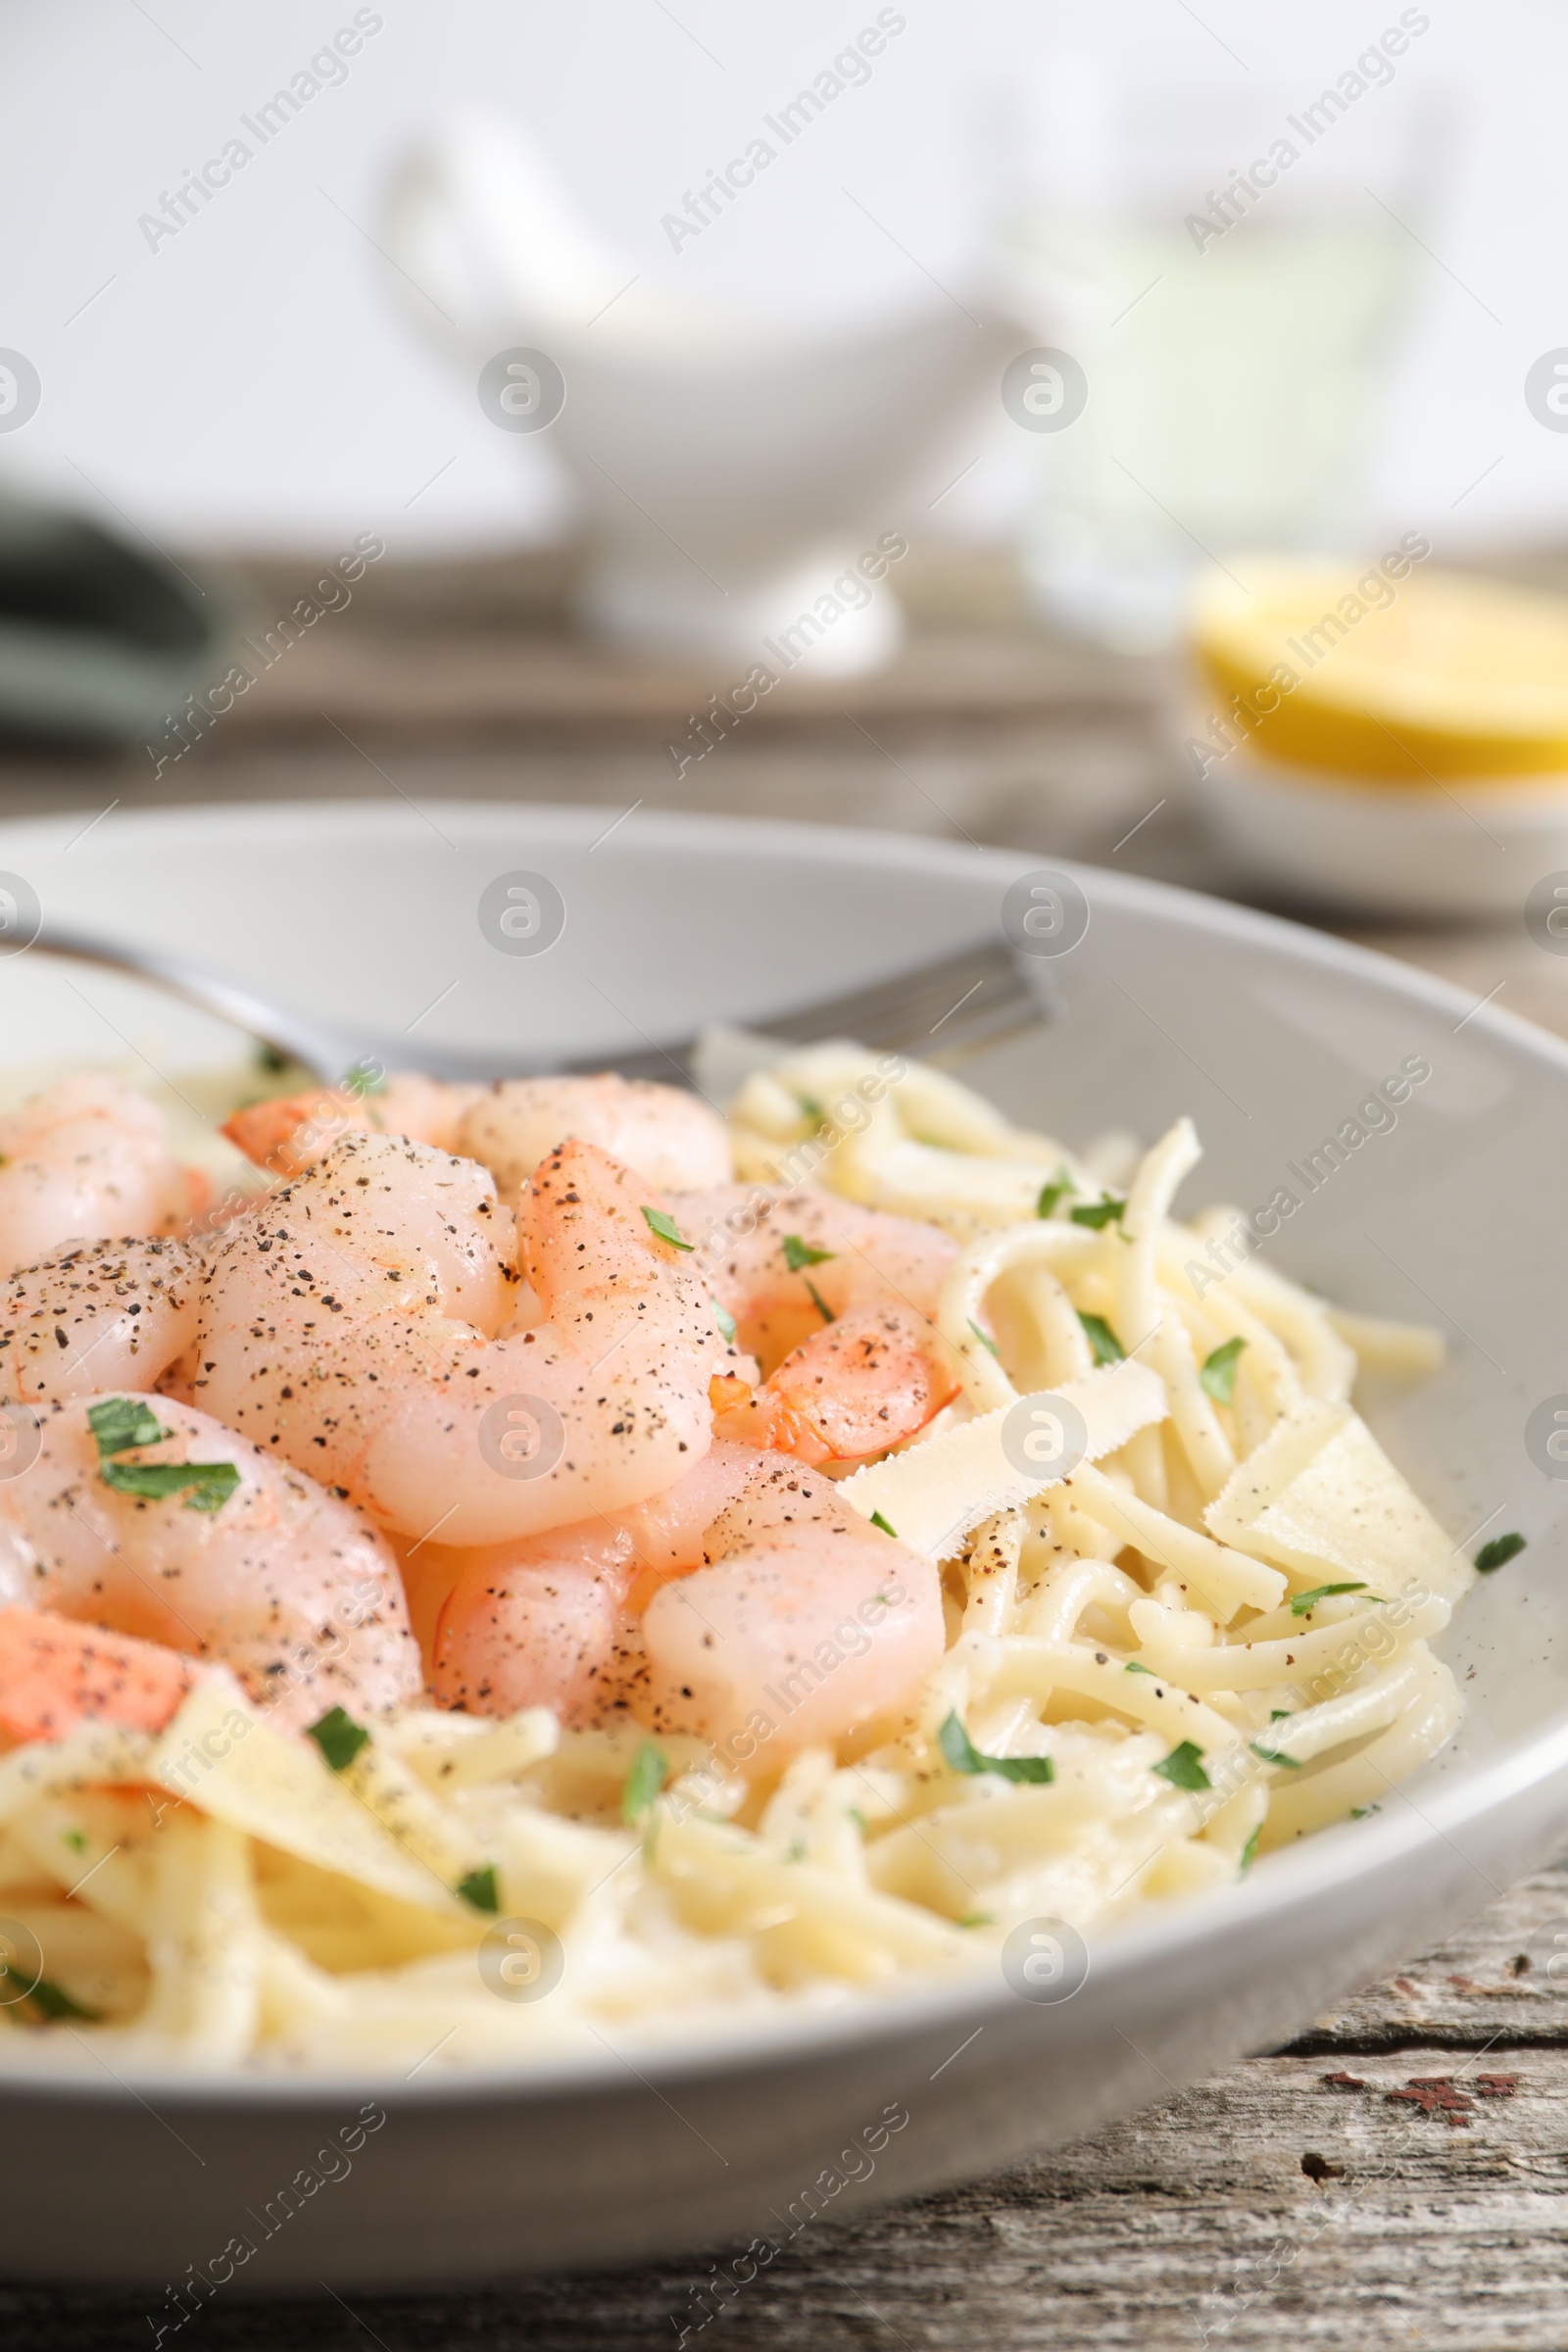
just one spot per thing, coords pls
(545, 1560)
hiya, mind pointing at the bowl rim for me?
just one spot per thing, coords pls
(1283, 1882)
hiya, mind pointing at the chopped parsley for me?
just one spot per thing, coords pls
(1249, 1852)
(1493, 1554)
(961, 1755)
(819, 1302)
(799, 1253)
(984, 1341)
(1137, 1666)
(1272, 1755)
(664, 1224)
(480, 1890)
(978, 1919)
(1107, 1348)
(338, 1737)
(650, 1770)
(860, 1821)
(53, 2003)
(121, 1422)
(1184, 1766)
(811, 1106)
(364, 1078)
(1218, 1374)
(1304, 1603)
(877, 1520)
(76, 1840)
(212, 1483)
(1360, 1812)
(1050, 1193)
(1107, 1210)
(725, 1321)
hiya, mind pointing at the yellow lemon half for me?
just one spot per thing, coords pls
(1392, 670)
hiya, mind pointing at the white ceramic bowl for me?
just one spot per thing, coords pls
(1270, 1036)
(1466, 847)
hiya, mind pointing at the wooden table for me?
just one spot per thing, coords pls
(1400, 2175)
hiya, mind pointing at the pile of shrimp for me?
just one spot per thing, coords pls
(428, 1585)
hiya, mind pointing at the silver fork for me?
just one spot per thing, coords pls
(942, 1011)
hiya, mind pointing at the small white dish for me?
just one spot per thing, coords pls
(1269, 1035)
(1466, 847)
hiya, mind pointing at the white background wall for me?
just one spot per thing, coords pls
(256, 379)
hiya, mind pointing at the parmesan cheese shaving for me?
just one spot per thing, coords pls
(1322, 1498)
(220, 1756)
(933, 1494)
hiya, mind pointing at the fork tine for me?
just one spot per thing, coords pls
(935, 1001)
(942, 1010)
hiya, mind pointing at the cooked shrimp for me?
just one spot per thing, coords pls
(289, 1132)
(670, 1138)
(87, 1160)
(101, 1316)
(541, 1622)
(55, 1676)
(783, 1261)
(858, 1386)
(250, 1565)
(551, 1620)
(350, 1322)
(804, 1625)
(753, 1582)
(670, 1531)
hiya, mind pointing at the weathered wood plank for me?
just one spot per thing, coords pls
(461, 652)
(1491, 1980)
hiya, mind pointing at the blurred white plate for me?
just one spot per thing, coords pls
(1471, 846)
(1270, 1036)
